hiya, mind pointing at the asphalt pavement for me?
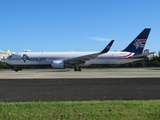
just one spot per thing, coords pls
(22, 90)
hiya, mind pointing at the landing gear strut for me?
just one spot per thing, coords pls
(77, 68)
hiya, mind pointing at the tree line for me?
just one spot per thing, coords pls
(155, 62)
(4, 65)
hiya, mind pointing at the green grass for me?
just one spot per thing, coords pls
(91, 110)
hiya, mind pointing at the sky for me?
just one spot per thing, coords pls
(77, 25)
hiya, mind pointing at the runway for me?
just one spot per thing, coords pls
(84, 74)
(23, 89)
(79, 90)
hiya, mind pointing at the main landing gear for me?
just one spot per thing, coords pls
(77, 68)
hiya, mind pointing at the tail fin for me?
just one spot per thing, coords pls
(137, 45)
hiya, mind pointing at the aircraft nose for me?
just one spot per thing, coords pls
(4, 59)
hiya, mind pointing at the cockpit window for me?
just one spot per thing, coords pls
(10, 56)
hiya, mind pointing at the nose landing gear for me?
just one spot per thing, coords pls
(16, 69)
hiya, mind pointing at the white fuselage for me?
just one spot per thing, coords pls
(46, 58)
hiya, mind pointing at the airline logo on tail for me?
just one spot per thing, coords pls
(139, 43)
(38, 59)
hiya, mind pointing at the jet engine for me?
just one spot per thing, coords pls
(57, 64)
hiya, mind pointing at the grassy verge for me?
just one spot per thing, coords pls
(91, 110)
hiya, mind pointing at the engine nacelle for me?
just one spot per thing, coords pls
(57, 64)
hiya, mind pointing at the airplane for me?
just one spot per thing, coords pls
(133, 52)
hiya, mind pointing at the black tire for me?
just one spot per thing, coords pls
(79, 69)
(75, 69)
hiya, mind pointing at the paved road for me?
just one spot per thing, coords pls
(77, 90)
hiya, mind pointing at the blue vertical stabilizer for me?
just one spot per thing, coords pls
(138, 44)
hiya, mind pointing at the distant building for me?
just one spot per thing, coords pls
(26, 50)
(5, 54)
(150, 56)
(158, 53)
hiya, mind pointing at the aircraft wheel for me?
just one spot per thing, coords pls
(75, 69)
(79, 68)
(15, 68)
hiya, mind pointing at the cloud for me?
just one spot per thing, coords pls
(100, 39)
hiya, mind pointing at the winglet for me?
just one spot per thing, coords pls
(106, 49)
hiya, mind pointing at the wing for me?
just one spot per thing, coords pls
(83, 59)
